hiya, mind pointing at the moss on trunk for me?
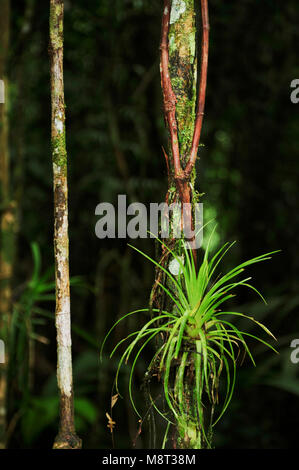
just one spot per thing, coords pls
(183, 70)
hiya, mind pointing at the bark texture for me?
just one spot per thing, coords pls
(66, 438)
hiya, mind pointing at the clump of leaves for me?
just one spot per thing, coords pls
(199, 343)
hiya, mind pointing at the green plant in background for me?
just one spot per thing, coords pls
(198, 343)
(25, 318)
(31, 311)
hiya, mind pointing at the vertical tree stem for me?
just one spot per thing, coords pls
(168, 94)
(183, 112)
(67, 438)
(202, 86)
(6, 220)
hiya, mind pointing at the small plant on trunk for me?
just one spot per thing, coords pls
(198, 343)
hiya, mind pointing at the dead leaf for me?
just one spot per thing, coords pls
(111, 423)
(114, 400)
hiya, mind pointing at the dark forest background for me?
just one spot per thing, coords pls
(248, 172)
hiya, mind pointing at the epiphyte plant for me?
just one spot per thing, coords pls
(198, 343)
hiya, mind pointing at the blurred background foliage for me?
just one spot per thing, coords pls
(248, 172)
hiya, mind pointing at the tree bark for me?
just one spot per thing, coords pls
(66, 438)
(7, 219)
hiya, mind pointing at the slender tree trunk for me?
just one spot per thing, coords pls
(179, 86)
(7, 219)
(66, 438)
(184, 100)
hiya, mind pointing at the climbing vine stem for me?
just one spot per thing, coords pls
(182, 175)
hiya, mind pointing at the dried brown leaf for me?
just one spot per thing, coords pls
(114, 400)
(111, 424)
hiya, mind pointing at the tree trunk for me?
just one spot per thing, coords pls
(7, 218)
(66, 438)
(184, 100)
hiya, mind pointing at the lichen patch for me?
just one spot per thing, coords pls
(177, 9)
